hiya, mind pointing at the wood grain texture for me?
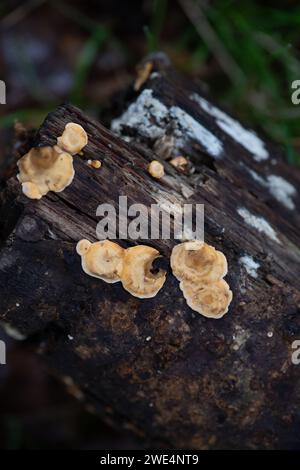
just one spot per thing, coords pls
(174, 377)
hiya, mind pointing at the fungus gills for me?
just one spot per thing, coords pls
(137, 275)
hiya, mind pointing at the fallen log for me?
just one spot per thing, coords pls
(154, 366)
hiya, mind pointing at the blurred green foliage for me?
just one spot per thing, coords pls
(264, 43)
(260, 39)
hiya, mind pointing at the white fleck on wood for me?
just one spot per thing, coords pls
(259, 223)
(282, 190)
(250, 265)
(245, 137)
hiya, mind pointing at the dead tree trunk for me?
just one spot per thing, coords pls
(176, 378)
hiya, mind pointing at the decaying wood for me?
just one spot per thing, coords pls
(174, 377)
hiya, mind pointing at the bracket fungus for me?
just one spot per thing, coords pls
(101, 259)
(200, 268)
(195, 261)
(210, 300)
(45, 169)
(73, 139)
(138, 276)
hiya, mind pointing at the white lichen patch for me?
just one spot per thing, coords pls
(187, 126)
(146, 114)
(151, 118)
(283, 191)
(250, 265)
(259, 223)
(245, 137)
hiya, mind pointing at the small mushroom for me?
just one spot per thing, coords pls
(95, 164)
(156, 169)
(73, 139)
(197, 262)
(101, 259)
(210, 300)
(44, 169)
(137, 276)
(181, 163)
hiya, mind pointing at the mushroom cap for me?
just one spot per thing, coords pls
(156, 169)
(83, 246)
(136, 275)
(73, 139)
(101, 259)
(31, 190)
(198, 262)
(46, 170)
(179, 162)
(95, 163)
(210, 300)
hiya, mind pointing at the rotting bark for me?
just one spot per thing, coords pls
(174, 377)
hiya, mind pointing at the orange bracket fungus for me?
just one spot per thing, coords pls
(138, 276)
(110, 262)
(45, 169)
(200, 268)
(211, 300)
(101, 259)
(73, 139)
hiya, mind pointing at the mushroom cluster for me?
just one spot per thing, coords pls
(110, 262)
(45, 169)
(200, 268)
